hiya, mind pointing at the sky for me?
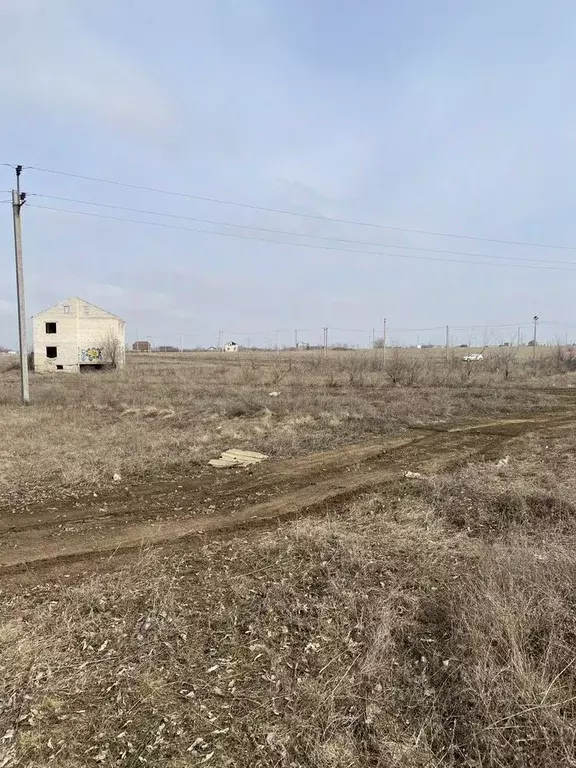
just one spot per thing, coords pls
(446, 117)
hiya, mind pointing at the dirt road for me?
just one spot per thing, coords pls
(218, 500)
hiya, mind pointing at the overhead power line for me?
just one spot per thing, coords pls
(317, 217)
(289, 233)
(417, 330)
(296, 244)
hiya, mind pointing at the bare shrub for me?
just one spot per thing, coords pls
(249, 371)
(280, 370)
(504, 360)
(404, 369)
(559, 359)
(111, 350)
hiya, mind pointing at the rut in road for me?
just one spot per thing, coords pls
(219, 500)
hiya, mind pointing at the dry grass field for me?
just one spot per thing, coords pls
(412, 622)
(166, 413)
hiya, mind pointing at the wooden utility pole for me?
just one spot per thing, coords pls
(18, 199)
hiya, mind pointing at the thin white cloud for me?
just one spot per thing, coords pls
(59, 65)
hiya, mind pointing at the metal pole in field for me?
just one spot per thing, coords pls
(447, 341)
(519, 337)
(295, 338)
(325, 339)
(18, 200)
(220, 340)
(384, 329)
(277, 342)
(181, 343)
(534, 340)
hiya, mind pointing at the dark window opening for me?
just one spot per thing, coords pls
(90, 367)
(59, 367)
(51, 352)
(50, 327)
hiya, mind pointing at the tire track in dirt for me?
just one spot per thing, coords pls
(258, 479)
(217, 502)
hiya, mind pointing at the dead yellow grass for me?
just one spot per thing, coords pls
(433, 625)
(395, 634)
(164, 414)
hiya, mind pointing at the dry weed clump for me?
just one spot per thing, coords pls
(501, 659)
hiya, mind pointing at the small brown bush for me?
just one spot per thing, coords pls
(242, 407)
(405, 369)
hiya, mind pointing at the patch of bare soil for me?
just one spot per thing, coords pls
(227, 500)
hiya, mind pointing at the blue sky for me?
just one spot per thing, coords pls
(446, 116)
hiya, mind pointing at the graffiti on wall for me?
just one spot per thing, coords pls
(91, 355)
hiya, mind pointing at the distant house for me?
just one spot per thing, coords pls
(75, 335)
(231, 346)
(141, 346)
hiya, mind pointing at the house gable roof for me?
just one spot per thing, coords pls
(80, 301)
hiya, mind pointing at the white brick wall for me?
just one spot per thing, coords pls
(81, 332)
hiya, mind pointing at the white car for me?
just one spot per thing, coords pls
(475, 357)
